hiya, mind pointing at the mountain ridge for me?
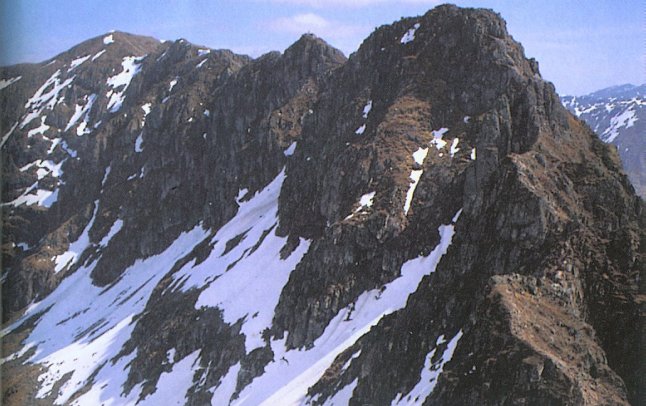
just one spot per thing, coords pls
(610, 91)
(422, 222)
(617, 114)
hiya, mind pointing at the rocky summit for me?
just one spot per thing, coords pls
(421, 223)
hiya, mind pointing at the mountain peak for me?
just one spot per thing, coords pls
(309, 38)
(619, 91)
(116, 42)
(313, 48)
(423, 222)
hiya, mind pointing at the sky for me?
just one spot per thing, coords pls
(581, 46)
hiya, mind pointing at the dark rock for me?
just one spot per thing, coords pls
(539, 291)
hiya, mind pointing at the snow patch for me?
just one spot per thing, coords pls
(146, 109)
(364, 202)
(232, 280)
(625, 119)
(343, 396)
(8, 134)
(23, 246)
(290, 150)
(241, 194)
(76, 62)
(105, 176)
(54, 144)
(40, 130)
(410, 34)
(415, 175)
(199, 65)
(170, 356)
(367, 108)
(288, 377)
(454, 147)
(352, 358)
(202, 52)
(430, 372)
(223, 392)
(174, 384)
(120, 82)
(116, 227)
(420, 155)
(32, 195)
(78, 112)
(138, 142)
(82, 356)
(46, 167)
(76, 248)
(41, 100)
(360, 130)
(82, 111)
(473, 154)
(98, 55)
(437, 138)
(172, 84)
(8, 82)
(107, 40)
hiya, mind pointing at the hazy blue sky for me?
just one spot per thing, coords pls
(581, 45)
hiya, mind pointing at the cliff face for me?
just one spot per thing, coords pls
(423, 223)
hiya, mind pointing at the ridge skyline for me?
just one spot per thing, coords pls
(581, 47)
(305, 34)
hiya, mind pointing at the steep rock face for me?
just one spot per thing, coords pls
(532, 174)
(169, 94)
(422, 223)
(415, 94)
(617, 114)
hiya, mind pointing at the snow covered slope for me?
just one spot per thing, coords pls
(184, 225)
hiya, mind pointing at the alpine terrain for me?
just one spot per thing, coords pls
(421, 223)
(618, 115)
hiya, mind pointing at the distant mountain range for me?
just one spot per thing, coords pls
(618, 115)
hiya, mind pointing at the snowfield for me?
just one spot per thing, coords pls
(80, 342)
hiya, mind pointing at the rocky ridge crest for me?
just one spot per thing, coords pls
(430, 196)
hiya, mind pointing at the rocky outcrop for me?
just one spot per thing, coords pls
(423, 223)
(423, 96)
(527, 202)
